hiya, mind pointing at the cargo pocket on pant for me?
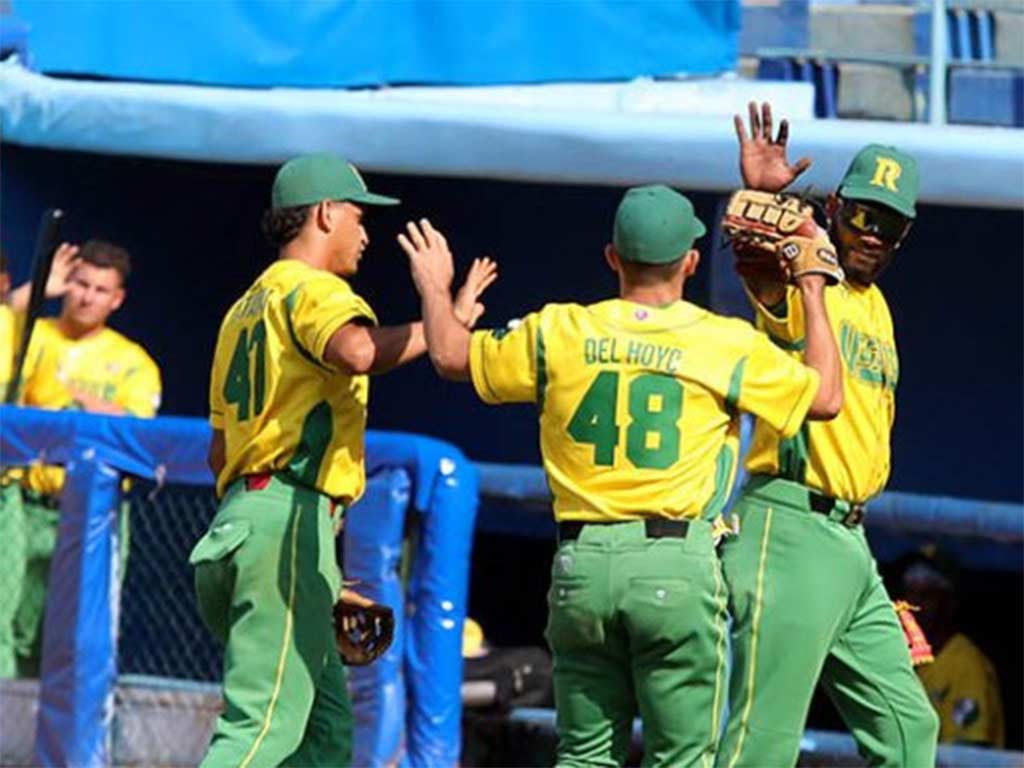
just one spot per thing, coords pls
(213, 577)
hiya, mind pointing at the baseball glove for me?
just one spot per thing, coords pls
(363, 629)
(775, 238)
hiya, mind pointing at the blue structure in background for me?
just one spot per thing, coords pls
(409, 474)
(355, 43)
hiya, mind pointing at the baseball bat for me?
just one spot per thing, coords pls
(47, 240)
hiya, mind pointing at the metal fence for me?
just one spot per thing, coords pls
(161, 633)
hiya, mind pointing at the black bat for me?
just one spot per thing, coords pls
(48, 239)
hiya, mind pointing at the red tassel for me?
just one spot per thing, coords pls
(920, 648)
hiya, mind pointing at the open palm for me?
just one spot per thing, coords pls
(763, 162)
(482, 273)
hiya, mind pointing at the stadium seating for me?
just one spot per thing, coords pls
(870, 60)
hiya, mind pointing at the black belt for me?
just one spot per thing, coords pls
(848, 513)
(654, 527)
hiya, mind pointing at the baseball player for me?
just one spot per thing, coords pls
(638, 399)
(288, 403)
(806, 597)
(74, 362)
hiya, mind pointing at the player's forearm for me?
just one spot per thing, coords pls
(447, 338)
(821, 352)
(217, 456)
(768, 293)
(396, 345)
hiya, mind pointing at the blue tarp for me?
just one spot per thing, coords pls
(350, 43)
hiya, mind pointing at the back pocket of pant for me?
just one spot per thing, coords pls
(573, 621)
(220, 541)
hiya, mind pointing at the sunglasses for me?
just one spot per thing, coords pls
(885, 224)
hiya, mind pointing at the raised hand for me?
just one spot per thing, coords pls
(763, 162)
(482, 273)
(430, 261)
(65, 259)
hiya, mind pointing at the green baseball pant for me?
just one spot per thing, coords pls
(636, 625)
(807, 603)
(12, 534)
(266, 580)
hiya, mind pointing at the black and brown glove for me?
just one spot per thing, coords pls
(363, 629)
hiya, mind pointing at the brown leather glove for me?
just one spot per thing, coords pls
(363, 629)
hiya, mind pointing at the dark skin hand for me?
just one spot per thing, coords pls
(763, 162)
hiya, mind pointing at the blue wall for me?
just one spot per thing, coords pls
(192, 228)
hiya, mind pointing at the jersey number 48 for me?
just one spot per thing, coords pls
(652, 436)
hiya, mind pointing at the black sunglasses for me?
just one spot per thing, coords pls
(884, 223)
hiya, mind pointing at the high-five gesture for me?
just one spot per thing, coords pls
(468, 308)
(763, 162)
(430, 260)
(446, 325)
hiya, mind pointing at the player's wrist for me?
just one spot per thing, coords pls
(811, 285)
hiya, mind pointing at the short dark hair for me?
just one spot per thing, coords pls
(282, 225)
(649, 274)
(4, 266)
(101, 253)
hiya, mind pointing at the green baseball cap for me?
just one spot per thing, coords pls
(309, 179)
(883, 175)
(655, 225)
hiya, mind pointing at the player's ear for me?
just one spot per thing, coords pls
(690, 262)
(323, 215)
(118, 300)
(612, 257)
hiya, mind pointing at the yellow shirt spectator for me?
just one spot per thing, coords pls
(962, 685)
(9, 327)
(104, 365)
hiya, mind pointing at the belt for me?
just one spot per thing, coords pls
(654, 527)
(260, 480)
(42, 499)
(848, 513)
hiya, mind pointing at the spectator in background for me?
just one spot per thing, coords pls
(74, 362)
(961, 682)
(13, 304)
(8, 326)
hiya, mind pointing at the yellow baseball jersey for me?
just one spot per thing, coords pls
(963, 687)
(105, 365)
(847, 457)
(280, 406)
(639, 406)
(10, 323)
